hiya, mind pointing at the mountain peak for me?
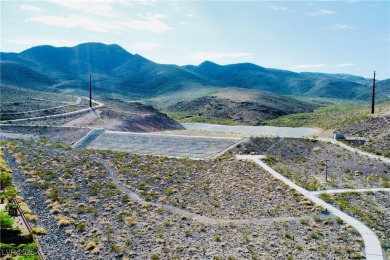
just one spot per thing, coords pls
(208, 63)
(100, 46)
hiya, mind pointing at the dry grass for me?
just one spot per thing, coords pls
(64, 221)
(39, 230)
(31, 218)
(25, 208)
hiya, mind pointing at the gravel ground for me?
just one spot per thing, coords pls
(223, 188)
(376, 130)
(86, 217)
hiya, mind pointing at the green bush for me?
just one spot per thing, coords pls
(5, 179)
(6, 221)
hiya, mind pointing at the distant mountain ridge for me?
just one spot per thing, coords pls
(247, 75)
(118, 72)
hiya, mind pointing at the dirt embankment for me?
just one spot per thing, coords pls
(123, 116)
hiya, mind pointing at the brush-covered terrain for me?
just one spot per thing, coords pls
(350, 119)
(376, 131)
(118, 205)
(87, 214)
(373, 209)
(238, 106)
(222, 188)
(306, 162)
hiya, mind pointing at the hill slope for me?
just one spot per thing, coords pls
(238, 106)
(114, 71)
(118, 73)
(247, 75)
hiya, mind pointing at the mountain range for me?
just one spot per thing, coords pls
(118, 73)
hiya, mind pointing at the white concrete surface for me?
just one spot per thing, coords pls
(349, 190)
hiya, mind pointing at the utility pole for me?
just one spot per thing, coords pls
(326, 170)
(373, 96)
(90, 90)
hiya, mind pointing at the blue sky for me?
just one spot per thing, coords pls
(323, 36)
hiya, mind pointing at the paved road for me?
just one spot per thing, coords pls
(203, 219)
(270, 131)
(372, 245)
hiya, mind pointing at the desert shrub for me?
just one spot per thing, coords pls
(39, 230)
(31, 218)
(64, 221)
(154, 257)
(91, 245)
(80, 226)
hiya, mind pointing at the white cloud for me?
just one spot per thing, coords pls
(279, 8)
(74, 22)
(99, 7)
(346, 65)
(201, 56)
(152, 23)
(309, 66)
(343, 27)
(144, 46)
(32, 8)
(322, 12)
(148, 2)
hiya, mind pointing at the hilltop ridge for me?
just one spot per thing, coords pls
(117, 72)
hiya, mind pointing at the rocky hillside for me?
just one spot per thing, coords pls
(239, 106)
(376, 130)
(124, 116)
